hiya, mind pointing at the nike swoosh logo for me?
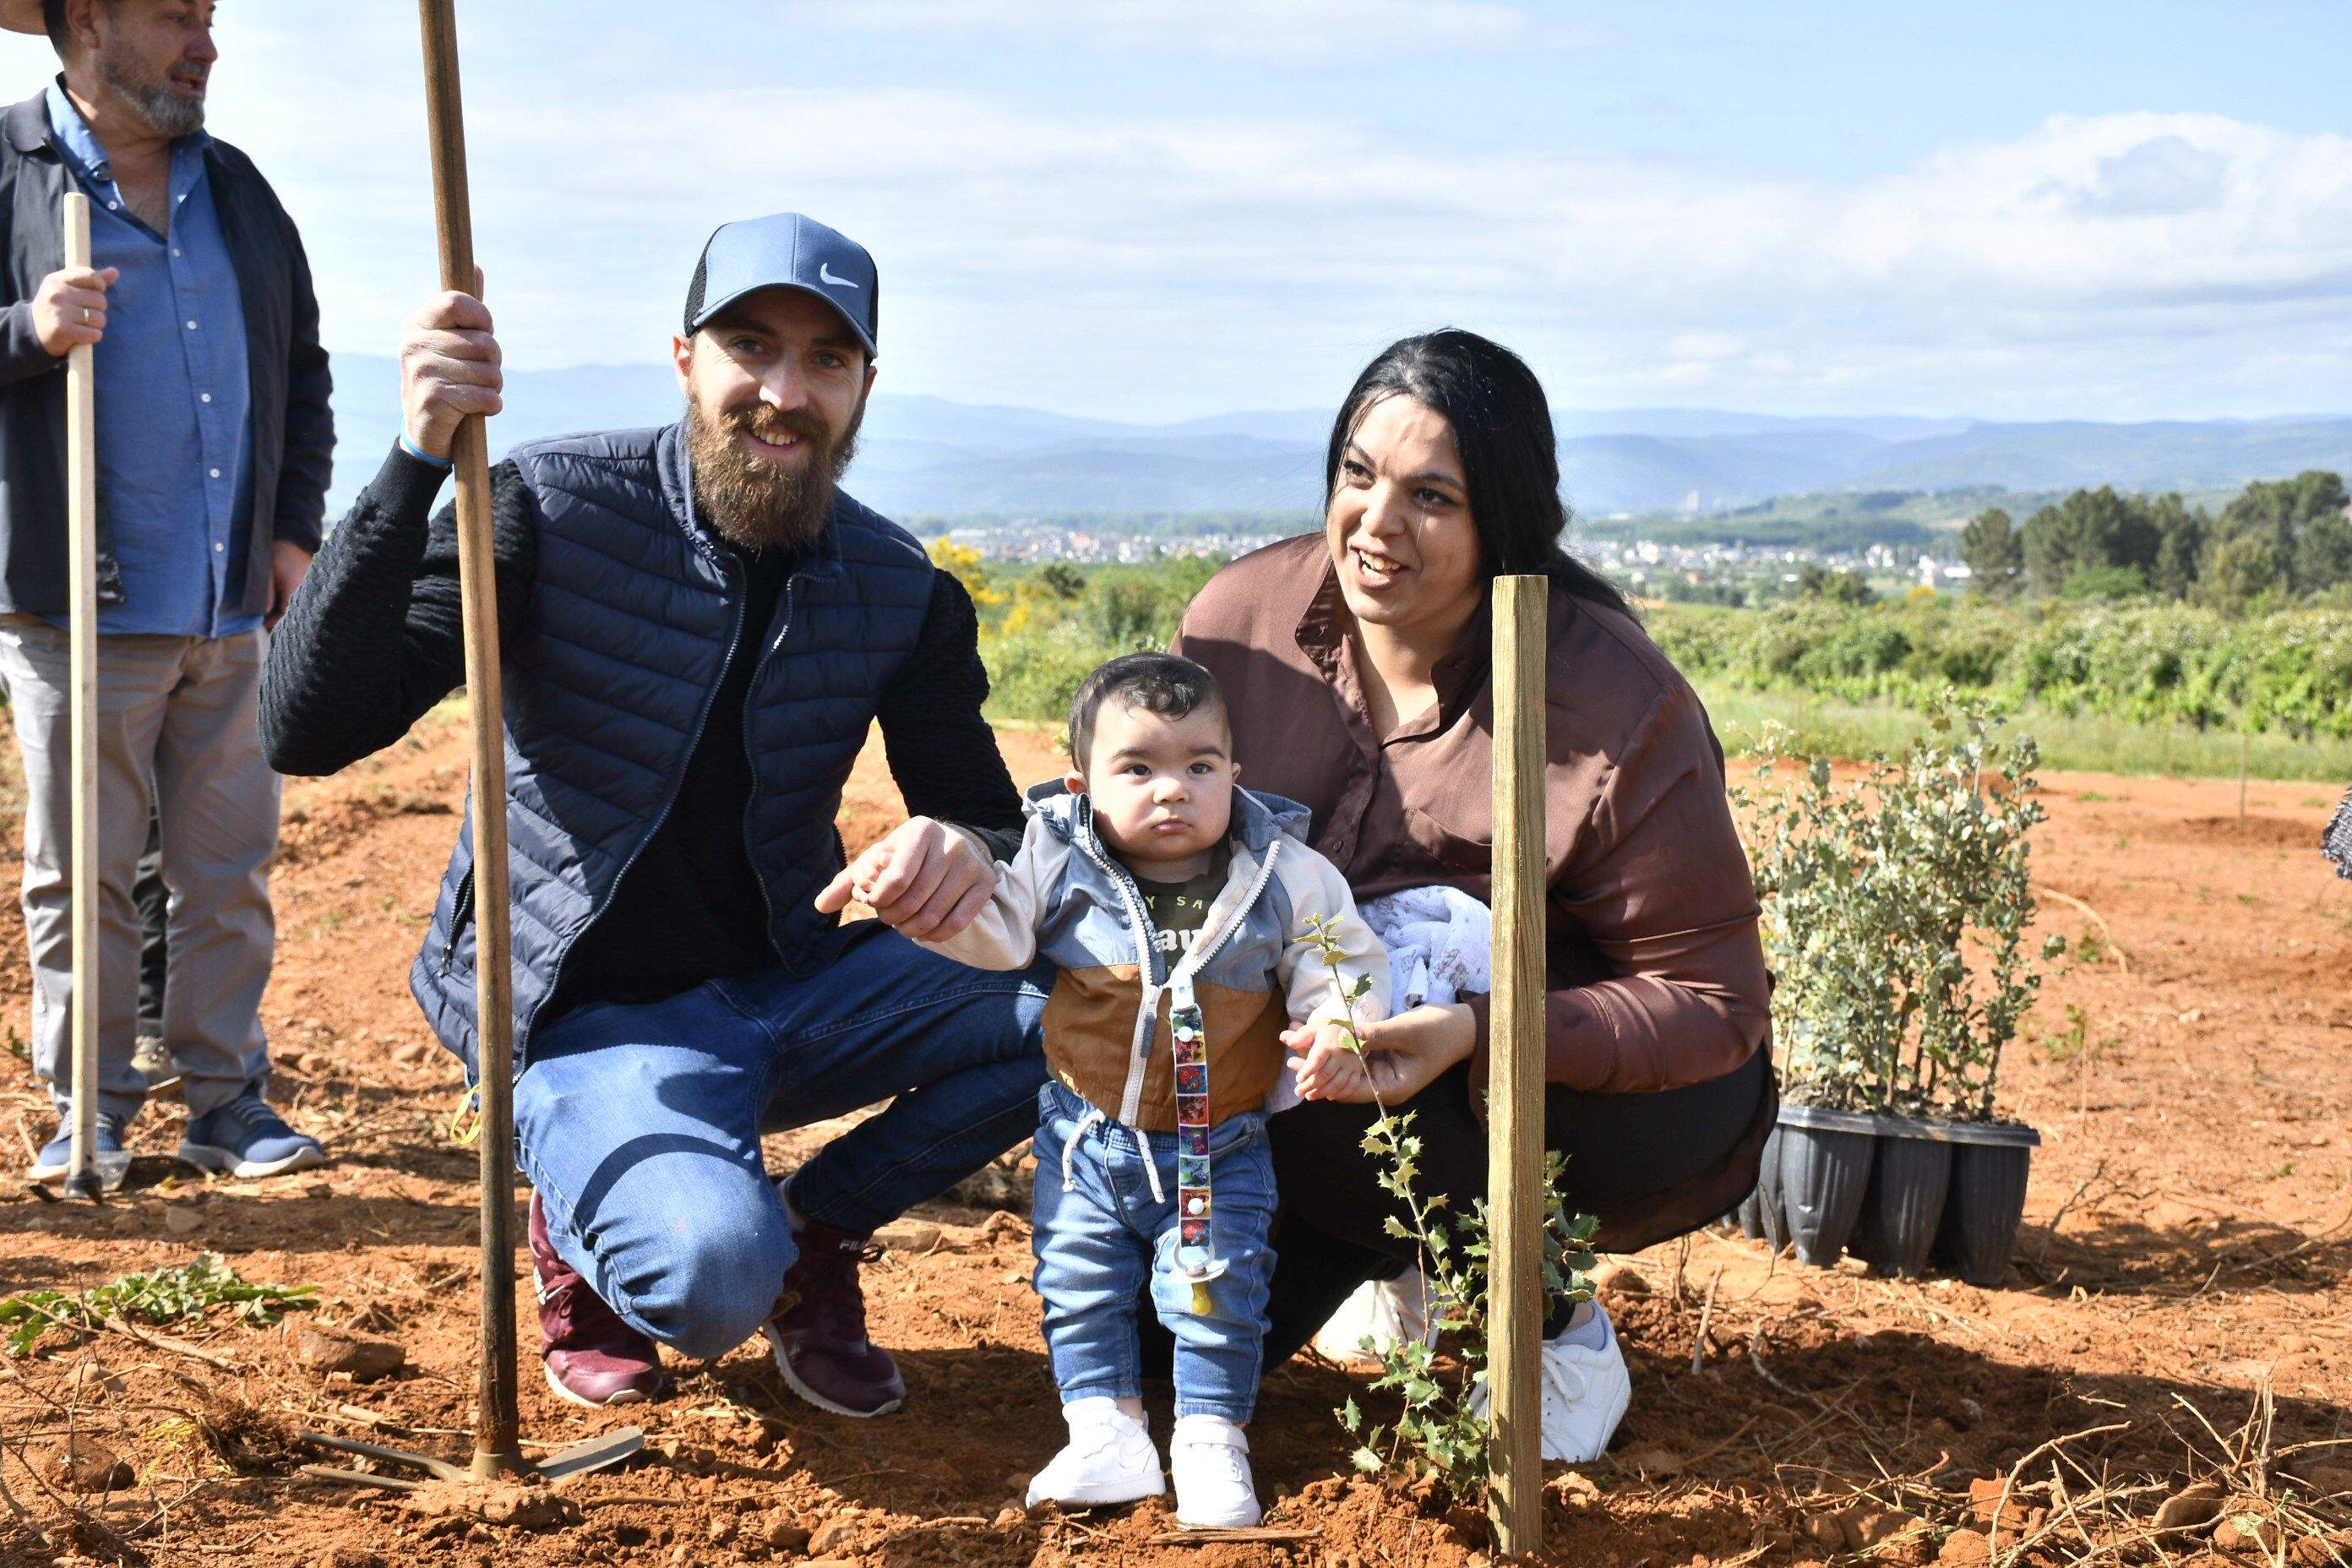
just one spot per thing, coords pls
(824, 275)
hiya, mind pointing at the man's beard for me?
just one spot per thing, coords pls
(165, 112)
(755, 504)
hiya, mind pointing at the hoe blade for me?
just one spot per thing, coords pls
(595, 1454)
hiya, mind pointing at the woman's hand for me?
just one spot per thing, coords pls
(1330, 1069)
(1401, 1056)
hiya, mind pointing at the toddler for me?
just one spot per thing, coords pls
(1178, 907)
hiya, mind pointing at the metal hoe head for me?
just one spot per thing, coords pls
(595, 1453)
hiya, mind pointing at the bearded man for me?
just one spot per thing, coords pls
(697, 629)
(213, 445)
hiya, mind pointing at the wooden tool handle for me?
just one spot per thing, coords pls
(496, 1448)
(82, 1178)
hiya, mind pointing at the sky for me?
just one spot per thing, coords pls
(1139, 210)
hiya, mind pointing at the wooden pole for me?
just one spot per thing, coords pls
(2245, 765)
(497, 1449)
(1515, 1100)
(83, 1178)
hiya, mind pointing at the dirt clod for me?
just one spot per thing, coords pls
(2246, 1532)
(327, 1351)
(909, 1236)
(87, 1380)
(1965, 1549)
(1867, 1526)
(2191, 1508)
(82, 1464)
(1617, 1279)
(2019, 1518)
(492, 1502)
(833, 1533)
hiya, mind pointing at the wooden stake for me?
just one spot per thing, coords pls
(82, 1176)
(2245, 765)
(1515, 1180)
(496, 1450)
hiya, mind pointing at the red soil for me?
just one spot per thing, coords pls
(2183, 1265)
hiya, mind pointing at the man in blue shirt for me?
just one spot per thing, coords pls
(185, 328)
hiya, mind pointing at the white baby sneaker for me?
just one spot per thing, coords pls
(1585, 1391)
(1108, 1460)
(1214, 1490)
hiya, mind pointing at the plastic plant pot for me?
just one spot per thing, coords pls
(1990, 1162)
(1903, 1208)
(1824, 1169)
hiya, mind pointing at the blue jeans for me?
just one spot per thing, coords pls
(639, 1125)
(1101, 1238)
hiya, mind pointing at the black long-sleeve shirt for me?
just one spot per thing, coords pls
(375, 639)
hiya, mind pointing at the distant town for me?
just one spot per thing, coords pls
(1730, 571)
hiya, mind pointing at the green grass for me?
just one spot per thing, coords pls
(2073, 743)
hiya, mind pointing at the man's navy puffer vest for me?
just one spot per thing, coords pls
(609, 686)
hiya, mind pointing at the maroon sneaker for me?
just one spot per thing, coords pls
(819, 1328)
(592, 1358)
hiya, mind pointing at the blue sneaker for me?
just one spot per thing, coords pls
(113, 1161)
(246, 1138)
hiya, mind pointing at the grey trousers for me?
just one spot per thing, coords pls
(178, 736)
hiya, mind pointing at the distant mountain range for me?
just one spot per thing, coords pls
(928, 456)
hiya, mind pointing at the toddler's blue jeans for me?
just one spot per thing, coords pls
(1105, 1231)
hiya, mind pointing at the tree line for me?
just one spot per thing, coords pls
(2279, 540)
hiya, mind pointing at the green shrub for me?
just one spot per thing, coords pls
(1895, 914)
(2289, 670)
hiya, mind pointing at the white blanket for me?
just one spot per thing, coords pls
(1441, 949)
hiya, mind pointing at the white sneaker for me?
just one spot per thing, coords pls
(1380, 1315)
(1585, 1392)
(1214, 1490)
(1108, 1460)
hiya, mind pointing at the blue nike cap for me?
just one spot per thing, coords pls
(785, 250)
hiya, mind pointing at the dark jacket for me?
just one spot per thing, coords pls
(609, 686)
(293, 428)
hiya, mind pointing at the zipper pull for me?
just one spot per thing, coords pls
(1150, 1032)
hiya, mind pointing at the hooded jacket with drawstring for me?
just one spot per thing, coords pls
(1254, 968)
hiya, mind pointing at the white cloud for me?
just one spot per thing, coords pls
(1161, 267)
(1150, 265)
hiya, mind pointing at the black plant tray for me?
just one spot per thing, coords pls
(1899, 1192)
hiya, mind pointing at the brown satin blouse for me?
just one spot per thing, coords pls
(1656, 971)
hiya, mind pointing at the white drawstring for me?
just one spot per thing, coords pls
(1142, 1144)
(1151, 1165)
(1070, 1148)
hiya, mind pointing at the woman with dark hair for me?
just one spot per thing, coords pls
(1355, 665)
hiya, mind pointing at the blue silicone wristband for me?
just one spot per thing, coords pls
(414, 450)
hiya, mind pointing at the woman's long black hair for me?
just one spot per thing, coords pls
(1502, 428)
